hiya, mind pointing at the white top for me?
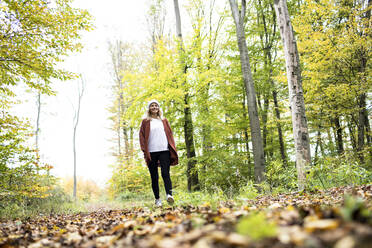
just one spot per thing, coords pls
(157, 139)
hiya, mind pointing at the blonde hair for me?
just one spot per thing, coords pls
(159, 114)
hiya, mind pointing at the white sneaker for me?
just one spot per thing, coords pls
(170, 199)
(158, 203)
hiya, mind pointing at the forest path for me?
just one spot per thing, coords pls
(318, 219)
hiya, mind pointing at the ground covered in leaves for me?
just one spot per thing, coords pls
(302, 219)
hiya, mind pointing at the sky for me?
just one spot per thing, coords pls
(114, 19)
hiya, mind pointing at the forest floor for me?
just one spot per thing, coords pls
(301, 219)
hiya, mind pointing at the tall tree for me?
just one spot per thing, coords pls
(35, 36)
(116, 59)
(156, 22)
(192, 173)
(337, 65)
(267, 21)
(258, 151)
(124, 60)
(37, 131)
(80, 91)
(30, 47)
(364, 52)
(296, 96)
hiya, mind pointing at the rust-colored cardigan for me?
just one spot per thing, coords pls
(144, 141)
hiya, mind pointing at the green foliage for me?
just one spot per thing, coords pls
(335, 45)
(334, 171)
(333, 41)
(184, 198)
(21, 174)
(129, 180)
(35, 36)
(31, 47)
(280, 177)
(355, 209)
(247, 192)
(56, 202)
(256, 226)
(223, 170)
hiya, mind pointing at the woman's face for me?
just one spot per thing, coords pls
(154, 108)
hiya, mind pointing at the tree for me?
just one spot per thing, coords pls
(37, 131)
(296, 96)
(80, 91)
(156, 22)
(35, 36)
(192, 174)
(266, 21)
(335, 46)
(258, 152)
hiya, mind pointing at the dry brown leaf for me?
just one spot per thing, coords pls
(237, 239)
(325, 224)
(73, 238)
(346, 242)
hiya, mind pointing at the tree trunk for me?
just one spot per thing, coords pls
(258, 151)
(192, 173)
(340, 143)
(277, 113)
(76, 122)
(264, 124)
(331, 145)
(131, 145)
(267, 40)
(126, 141)
(38, 103)
(352, 136)
(363, 125)
(318, 145)
(268, 57)
(116, 59)
(299, 122)
(246, 138)
(279, 127)
(363, 122)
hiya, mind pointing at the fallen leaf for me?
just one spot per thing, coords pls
(325, 224)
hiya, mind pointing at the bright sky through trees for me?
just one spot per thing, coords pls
(112, 19)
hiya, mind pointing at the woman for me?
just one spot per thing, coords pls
(159, 149)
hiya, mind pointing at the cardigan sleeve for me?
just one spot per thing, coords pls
(142, 136)
(170, 129)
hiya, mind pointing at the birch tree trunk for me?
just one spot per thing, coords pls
(363, 121)
(117, 67)
(38, 103)
(192, 173)
(155, 19)
(258, 152)
(116, 59)
(76, 122)
(296, 97)
(121, 61)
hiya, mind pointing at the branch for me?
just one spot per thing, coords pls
(243, 11)
(234, 11)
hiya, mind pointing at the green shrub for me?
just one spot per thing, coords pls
(200, 198)
(224, 171)
(335, 171)
(56, 202)
(280, 178)
(247, 192)
(256, 226)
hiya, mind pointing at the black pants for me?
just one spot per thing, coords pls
(164, 158)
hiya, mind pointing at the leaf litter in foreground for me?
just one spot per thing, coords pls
(320, 219)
